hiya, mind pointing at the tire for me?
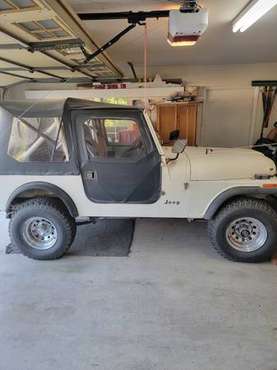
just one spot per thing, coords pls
(245, 230)
(42, 229)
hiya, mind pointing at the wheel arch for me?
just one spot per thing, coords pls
(37, 188)
(233, 193)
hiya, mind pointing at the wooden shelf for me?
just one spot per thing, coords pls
(178, 116)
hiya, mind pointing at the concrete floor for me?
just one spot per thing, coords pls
(172, 305)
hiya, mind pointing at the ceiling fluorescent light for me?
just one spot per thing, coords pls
(256, 10)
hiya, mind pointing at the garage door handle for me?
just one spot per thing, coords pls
(90, 175)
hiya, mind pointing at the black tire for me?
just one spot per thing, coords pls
(45, 209)
(250, 209)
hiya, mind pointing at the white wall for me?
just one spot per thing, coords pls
(227, 117)
(220, 76)
(232, 112)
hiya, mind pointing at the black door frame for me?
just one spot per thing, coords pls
(116, 113)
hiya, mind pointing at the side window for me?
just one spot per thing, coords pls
(113, 138)
(38, 139)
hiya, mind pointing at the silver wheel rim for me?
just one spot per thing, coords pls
(246, 234)
(39, 233)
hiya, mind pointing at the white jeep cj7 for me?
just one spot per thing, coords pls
(73, 161)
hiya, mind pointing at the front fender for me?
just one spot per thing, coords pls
(250, 191)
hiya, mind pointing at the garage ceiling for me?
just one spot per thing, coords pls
(49, 20)
(25, 23)
(219, 45)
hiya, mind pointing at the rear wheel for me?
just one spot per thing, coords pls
(245, 230)
(42, 229)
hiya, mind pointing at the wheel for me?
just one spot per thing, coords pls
(245, 230)
(42, 229)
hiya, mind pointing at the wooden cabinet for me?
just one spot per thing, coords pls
(177, 116)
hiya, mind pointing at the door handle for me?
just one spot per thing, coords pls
(90, 175)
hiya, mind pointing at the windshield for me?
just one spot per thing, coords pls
(154, 134)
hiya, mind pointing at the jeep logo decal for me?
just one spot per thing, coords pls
(174, 202)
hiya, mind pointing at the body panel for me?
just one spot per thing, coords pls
(176, 202)
(228, 164)
(39, 187)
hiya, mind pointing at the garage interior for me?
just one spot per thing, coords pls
(167, 300)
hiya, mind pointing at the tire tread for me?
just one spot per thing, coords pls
(241, 203)
(43, 202)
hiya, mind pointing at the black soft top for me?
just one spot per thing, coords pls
(54, 108)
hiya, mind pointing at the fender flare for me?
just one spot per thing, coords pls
(44, 186)
(223, 197)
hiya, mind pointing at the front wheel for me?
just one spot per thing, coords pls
(245, 230)
(42, 229)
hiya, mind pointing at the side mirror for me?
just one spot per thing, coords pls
(179, 146)
(174, 135)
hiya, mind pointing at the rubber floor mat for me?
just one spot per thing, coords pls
(104, 238)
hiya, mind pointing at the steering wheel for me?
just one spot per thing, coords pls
(137, 144)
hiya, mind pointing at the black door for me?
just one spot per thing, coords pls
(119, 161)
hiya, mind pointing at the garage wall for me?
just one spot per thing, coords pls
(211, 76)
(227, 118)
(232, 110)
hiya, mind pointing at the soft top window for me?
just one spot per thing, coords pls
(38, 139)
(113, 138)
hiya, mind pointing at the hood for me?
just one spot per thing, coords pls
(228, 163)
